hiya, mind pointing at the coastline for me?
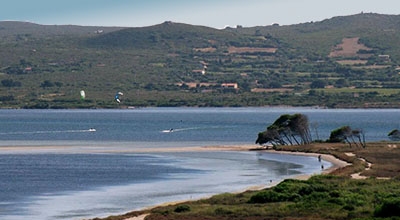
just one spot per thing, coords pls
(336, 164)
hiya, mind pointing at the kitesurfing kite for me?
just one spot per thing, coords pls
(117, 95)
(83, 95)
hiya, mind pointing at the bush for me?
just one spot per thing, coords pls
(334, 194)
(265, 197)
(273, 196)
(222, 211)
(290, 185)
(389, 208)
(349, 207)
(336, 201)
(306, 190)
(182, 208)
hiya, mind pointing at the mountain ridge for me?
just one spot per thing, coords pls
(177, 64)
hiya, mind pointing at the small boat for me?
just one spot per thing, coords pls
(168, 131)
(92, 130)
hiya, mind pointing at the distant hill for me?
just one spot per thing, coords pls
(377, 31)
(12, 28)
(325, 63)
(166, 36)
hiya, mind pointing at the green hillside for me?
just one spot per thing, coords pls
(349, 61)
(315, 39)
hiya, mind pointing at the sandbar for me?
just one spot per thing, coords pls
(336, 163)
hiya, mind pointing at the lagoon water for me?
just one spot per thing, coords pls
(68, 172)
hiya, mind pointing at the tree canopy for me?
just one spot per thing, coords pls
(347, 134)
(286, 130)
(394, 135)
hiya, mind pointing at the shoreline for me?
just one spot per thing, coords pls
(335, 164)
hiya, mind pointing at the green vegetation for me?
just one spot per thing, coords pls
(394, 134)
(320, 197)
(172, 64)
(348, 135)
(286, 130)
(294, 130)
(331, 197)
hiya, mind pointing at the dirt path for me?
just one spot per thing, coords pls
(358, 175)
(140, 217)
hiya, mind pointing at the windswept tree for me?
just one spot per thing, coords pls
(347, 134)
(394, 135)
(341, 134)
(271, 136)
(359, 134)
(287, 130)
(299, 125)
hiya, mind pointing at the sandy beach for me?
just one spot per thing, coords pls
(106, 149)
(336, 163)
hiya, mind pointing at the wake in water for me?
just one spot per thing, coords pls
(192, 128)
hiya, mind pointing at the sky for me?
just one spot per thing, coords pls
(210, 13)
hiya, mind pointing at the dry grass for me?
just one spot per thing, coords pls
(383, 156)
(348, 48)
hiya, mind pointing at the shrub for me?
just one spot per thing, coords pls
(182, 208)
(290, 185)
(334, 194)
(336, 201)
(306, 190)
(349, 207)
(222, 211)
(265, 196)
(389, 208)
(273, 196)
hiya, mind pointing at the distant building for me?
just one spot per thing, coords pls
(230, 85)
(384, 57)
(198, 85)
(28, 69)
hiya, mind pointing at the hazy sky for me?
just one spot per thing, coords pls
(211, 13)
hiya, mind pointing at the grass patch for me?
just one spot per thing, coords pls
(320, 197)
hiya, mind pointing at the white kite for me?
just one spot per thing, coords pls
(83, 95)
(117, 97)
